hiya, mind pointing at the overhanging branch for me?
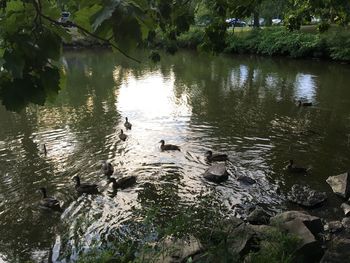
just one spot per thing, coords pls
(107, 41)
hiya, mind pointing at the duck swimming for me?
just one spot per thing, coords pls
(123, 183)
(292, 168)
(127, 124)
(168, 147)
(215, 157)
(107, 168)
(85, 188)
(304, 104)
(48, 202)
(122, 135)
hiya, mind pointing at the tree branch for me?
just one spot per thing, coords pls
(107, 41)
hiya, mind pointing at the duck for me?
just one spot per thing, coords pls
(215, 157)
(122, 135)
(292, 168)
(123, 182)
(48, 202)
(107, 168)
(127, 124)
(168, 147)
(304, 104)
(85, 188)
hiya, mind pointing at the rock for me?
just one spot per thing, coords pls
(259, 217)
(346, 208)
(313, 223)
(262, 230)
(305, 196)
(216, 173)
(309, 249)
(340, 184)
(346, 223)
(246, 179)
(239, 237)
(338, 251)
(333, 226)
(242, 240)
(178, 250)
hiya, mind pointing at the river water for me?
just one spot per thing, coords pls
(243, 106)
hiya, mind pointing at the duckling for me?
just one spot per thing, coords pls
(107, 168)
(122, 135)
(292, 168)
(48, 202)
(85, 188)
(124, 182)
(304, 104)
(168, 147)
(127, 124)
(215, 157)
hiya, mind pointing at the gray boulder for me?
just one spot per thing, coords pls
(216, 173)
(338, 251)
(346, 208)
(259, 217)
(309, 249)
(340, 184)
(333, 226)
(346, 223)
(313, 223)
(305, 196)
(175, 250)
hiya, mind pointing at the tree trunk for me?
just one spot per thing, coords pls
(256, 19)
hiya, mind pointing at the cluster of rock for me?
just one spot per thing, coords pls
(245, 237)
(319, 241)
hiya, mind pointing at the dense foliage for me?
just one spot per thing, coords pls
(31, 34)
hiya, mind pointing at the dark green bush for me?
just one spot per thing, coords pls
(279, 41)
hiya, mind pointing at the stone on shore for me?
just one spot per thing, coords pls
(309, 249)
(338, 251)
(346, 223)
(346, 208)
(259, 217)
(333, 226)
(340, 184)
(313, 223)
(216, 173)
(175, 250)
(305, 196)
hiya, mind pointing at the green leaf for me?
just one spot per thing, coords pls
(50, 44)
(84, 15)
(105, 13)
(14, 63)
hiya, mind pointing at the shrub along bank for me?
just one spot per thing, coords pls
(334, 45)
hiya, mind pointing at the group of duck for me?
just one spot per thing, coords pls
(216, 173)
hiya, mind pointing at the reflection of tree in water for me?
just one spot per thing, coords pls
(21, 231)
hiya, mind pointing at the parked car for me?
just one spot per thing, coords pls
(276, 21)
(65, 17)
(235, 22)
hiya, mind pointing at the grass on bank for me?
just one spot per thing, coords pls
(277, 41)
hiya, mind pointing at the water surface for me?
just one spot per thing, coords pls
(243, 106)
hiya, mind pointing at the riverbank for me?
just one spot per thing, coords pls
(332, 45)
(291, 236)
(273, 41)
